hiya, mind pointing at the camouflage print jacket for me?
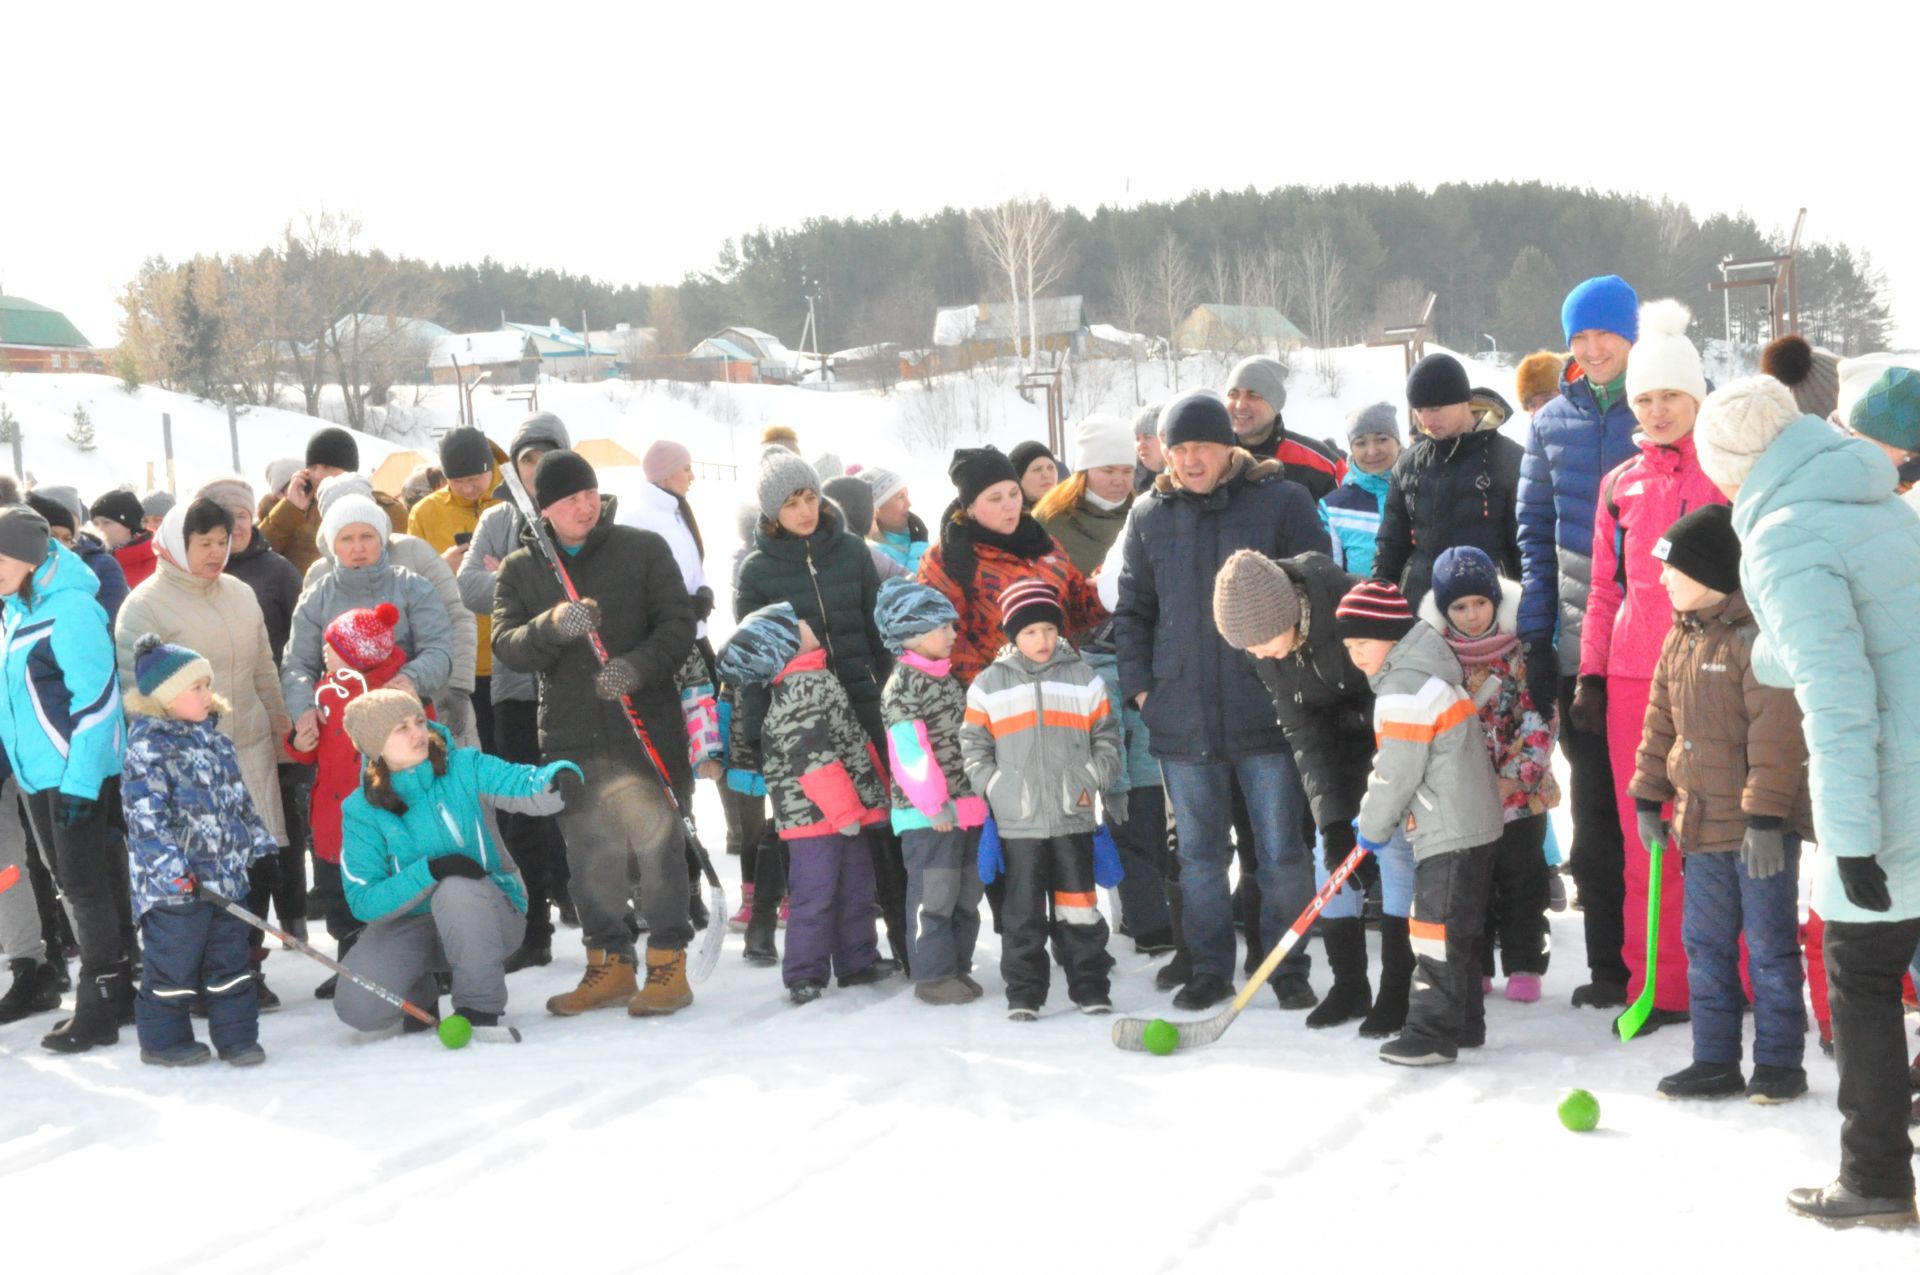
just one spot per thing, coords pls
(819, 765)
(923, 707)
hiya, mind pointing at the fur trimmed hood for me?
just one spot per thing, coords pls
(1243, 462)
(1506, 617)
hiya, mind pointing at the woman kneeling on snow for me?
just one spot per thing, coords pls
(421, 868)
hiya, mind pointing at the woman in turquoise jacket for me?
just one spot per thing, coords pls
(1830, 565)
(61, 724)
(421, 867)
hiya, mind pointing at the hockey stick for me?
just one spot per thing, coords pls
(1635, 1016)
(9, 876)
(1129, 1033)
(707, 955)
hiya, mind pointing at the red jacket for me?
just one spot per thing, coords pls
(980, 638)
(337, 760)
(136, 559)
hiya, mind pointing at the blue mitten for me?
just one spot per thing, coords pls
(547, 778)
(1107, 870)
(991, 861)
(748, 783)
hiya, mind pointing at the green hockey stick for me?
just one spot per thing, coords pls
(1634, 1017)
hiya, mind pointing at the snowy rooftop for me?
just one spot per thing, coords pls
(507, 346)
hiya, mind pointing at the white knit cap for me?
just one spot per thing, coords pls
(341, 485)
(1663, 358)
(1103, 439)
(885, 483)
(1738, 422)
(348, 510)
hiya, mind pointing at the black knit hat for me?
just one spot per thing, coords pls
(1196, 417)
(559, 475)
(465, 453)
(56, 514)
(1024, 454)
(1373, 609)
(1437, 380)
(974, 469)
(1703, 546)
(333, 447)
(122, 507)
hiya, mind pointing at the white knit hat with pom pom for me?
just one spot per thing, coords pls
(1663, 358)
(1738, 422)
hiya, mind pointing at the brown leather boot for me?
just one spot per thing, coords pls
(608, 982)
(666, 988)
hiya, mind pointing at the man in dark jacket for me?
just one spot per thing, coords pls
(1455, 486)
(633, 596)
(1208, 714)
(1256, 391)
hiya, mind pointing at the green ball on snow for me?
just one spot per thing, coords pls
(455, 1031)
(1580, 1111)
(1160, 1037)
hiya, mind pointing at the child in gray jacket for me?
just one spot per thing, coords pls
(1040, 742)
(1431, 769)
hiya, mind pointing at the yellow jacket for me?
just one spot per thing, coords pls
(441, 517)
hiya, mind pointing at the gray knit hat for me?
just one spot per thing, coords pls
(781, 474)
(1147, 419)
(157, 504)
(1254, 600)
(1264, 375)
(70, 497)
(1375, 418)
(23, 535)
(372, 717)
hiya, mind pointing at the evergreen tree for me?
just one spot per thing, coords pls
(1527, 305)
(81, 434)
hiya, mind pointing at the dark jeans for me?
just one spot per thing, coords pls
(830, 925)
(482, 699)
(534, 841)
(943, 900)
(1517, 900)
(749, 831)
(1722, 903)
(619, 826)
(1449, 907)
(89, 862)
(1142, 841)
(1864, 965)
(1598, 858)
(1050, 894)
(192, 948)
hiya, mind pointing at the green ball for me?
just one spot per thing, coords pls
(1580, 1111)
(455, 1031)
(1160, 1037)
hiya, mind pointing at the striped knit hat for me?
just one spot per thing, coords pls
(162, 670)
(1027, 602)
(1373, 609)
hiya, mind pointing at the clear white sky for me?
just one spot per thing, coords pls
(627, 140)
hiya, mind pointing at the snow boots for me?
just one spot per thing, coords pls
(762, 924)
(96, 1010)
(1351, 995)
(188, 1053)
(1411, 1049)
(1655, 1021)
(1389, 1012)
(945, 991)
(1704, 1080)
(1294, 991)
(1203, 991)
(607, 982)
(1175, 973)
(739, 921)
(1599, 995)
(1835, 1205)
(35, 990)
(666, 989)
(528, 955)
(1771, 1084)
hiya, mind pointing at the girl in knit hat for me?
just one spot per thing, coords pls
(1628, 616)
(1086, 512)
(1036, 470)
(1477, 613)
(1351, 511)
(189, 823)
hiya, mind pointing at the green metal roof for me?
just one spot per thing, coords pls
(24, 323)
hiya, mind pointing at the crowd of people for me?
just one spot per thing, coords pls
(1211, 643)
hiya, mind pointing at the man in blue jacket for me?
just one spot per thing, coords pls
(1575, 441)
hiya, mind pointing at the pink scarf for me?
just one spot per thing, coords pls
(1479, 652)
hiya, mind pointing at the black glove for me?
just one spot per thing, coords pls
(702, 603)
(1865, 882)
(1543, 675)
(1651, 826)
(455, 865)
(73, 811)
(616, 678)
(264, 873)
(1589, 710)
(1339, 841)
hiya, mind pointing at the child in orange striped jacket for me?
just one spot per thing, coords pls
(1432, 770)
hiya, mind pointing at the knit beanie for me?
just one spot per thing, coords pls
(974, 469)
(1198, 416)
(1889, 412)
(855, 502)
(122, 507)
(1024, 454)
(1702, 546)
(780, 436)
(465, 453)
(228, 493)
(56, 514)
(828, 465)
(345, 511)
(163, 670)
(1857, 374)
(1030, 601)
(1103, 439)
(1606, 304)
(23, 535)
(1264, 375)
(883, 483)
(781, 474)
(1539, 373)
(762, 644)
(156, 503)
(1737, 423)
(363, 637)
(1437, 381)
(1663, 358)
(332, 491)
(1375, 418)
(561, 474)
(539, 429)
(1812, 375)
(335, 447)
(1464, 572)
(1373, 609)
(1147, 420)
(69, 497)
(665, 459)
(280, 472)
(373, 717)
(1254, 600)
(907, 609)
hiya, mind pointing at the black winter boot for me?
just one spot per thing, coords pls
(1179, 970)
(1704, 1080)
(761, 948)
(1351, 995)
(95, 1013)
(1396, 980)
(125, 982)
(35, 990)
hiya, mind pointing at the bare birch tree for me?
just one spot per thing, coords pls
(1132, 292)
(1024, 242)
(1174, 284)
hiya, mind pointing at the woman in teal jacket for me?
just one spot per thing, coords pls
(61, 724)
(1830, 565)
(420, 865)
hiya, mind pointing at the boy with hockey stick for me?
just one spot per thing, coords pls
(1431, 771)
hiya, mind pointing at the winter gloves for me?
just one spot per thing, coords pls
(1589, 710)
(547, 777)
(1651, 826)
(616, 678)
(1865, 882)
(991, 861)
(1107, 870)
(702, 603)
(1115, 805)
(1543, 674)
(1337, 841)
(74, 811)
(455, 711)
(455, 865)
(1763, 852)
(575, 619)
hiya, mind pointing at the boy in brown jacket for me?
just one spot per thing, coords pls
(1729, 754)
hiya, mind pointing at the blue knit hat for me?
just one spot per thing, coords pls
(1607, 303)
(761, 646)
(908, 609)
(163, 670)
(1464, 572)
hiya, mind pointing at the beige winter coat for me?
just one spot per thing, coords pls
(221, 620)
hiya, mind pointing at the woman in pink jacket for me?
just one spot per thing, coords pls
(1628, 613)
